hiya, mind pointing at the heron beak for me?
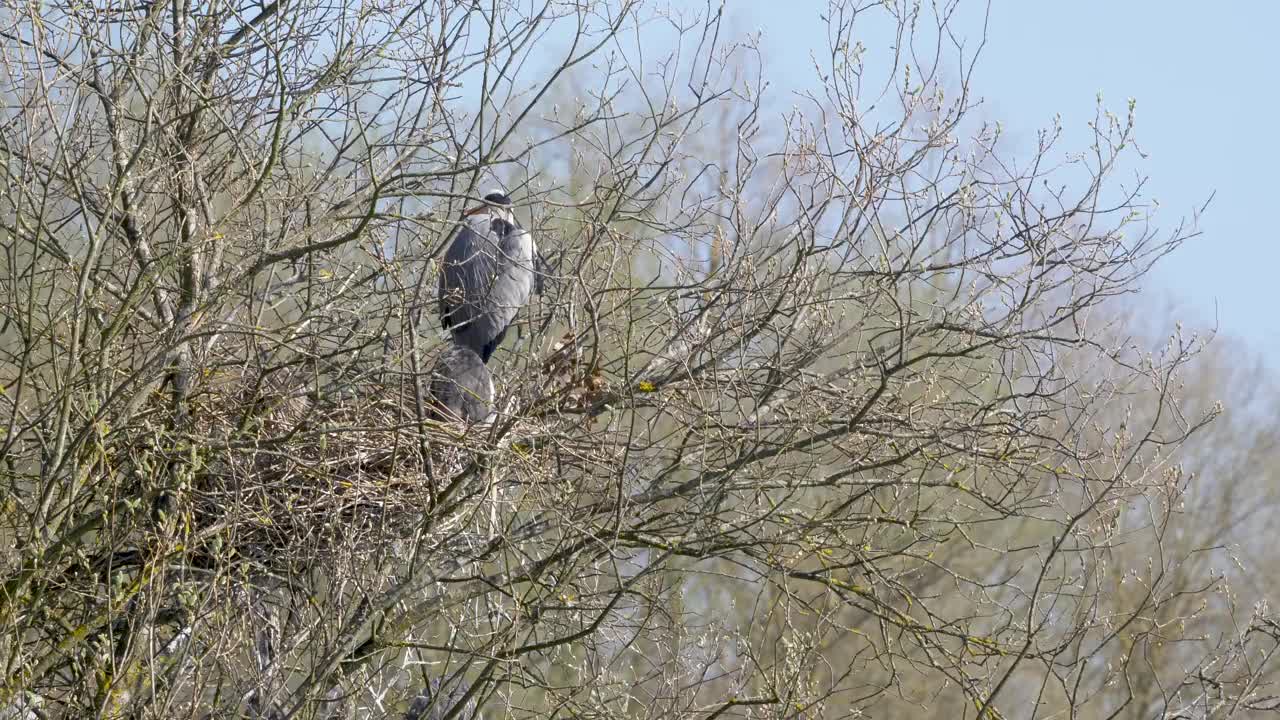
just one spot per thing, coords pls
(475, 211)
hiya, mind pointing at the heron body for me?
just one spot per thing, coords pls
(461, 386)
(487, 277)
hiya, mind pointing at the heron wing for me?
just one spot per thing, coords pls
(469, 268)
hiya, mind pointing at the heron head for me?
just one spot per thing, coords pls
(499, 203)
(497, 197)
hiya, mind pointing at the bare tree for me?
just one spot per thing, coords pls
(834, 422)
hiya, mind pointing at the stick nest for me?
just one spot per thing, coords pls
(288, 471)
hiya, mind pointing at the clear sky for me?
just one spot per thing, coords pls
(1205, 76)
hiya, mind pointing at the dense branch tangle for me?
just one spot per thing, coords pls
(823, 414)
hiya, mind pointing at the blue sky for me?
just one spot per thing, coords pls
(1205, 80)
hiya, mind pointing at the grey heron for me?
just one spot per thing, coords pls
(489, 271)
(461, 386)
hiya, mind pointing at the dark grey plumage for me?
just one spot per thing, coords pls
(461, 386)
(487, 276)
